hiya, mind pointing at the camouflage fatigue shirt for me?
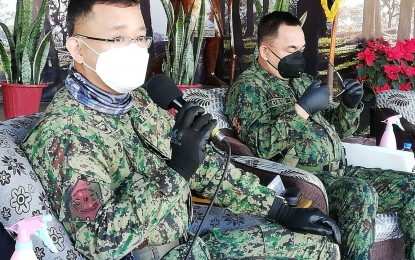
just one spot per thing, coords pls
(261, 109)
(107, 179)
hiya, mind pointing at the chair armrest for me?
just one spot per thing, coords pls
(378, 157)
(237, 146)
(266, 170)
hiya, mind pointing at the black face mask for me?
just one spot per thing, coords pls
(291, 66)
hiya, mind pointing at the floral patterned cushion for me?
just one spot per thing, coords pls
(212, 100)
(403, 102)
(221, 218)
(22, 195)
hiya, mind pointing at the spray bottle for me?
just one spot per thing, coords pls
(24, 229)
(388, 138)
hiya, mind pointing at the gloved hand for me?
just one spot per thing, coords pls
(308, 220)
(353, 93)
(190, 135)
(315, 98)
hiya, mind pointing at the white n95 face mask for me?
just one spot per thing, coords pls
(122, 69)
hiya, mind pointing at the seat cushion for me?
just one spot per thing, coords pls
(212, 100)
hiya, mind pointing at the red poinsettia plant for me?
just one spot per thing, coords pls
(387, 67)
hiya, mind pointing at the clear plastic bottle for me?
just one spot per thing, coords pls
(407, 147)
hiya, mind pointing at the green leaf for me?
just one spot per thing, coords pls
(282, 5)
(168, 9)
(395, 84)
(412, 80)
(361, 71)
(41, 58)
(17, 24)
(401, 78)
(397, 63)
(26, 21)
(5, 61)
(259, 8)
(371, 74)
(179, 47)
(35, 32)
(381, 81)
(201, 32)
(377, 65)
(166, 63)
(188, 67)
(26, 69)
(12, 48)
(303, 18)
(21, 33)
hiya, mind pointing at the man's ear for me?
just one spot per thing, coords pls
(74, 48)
(263, 52)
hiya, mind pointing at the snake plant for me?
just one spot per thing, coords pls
(184, 32)
(28, 51)
(279, 5)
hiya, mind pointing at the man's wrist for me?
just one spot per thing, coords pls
(301, 112)
(181, 169)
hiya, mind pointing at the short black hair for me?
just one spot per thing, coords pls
(78, 9)
(270, 24)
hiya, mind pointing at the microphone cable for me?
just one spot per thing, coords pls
(228, 159)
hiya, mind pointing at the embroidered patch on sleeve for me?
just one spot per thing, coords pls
(85, 200)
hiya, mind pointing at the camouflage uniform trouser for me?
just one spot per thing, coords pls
(268, 241)
(357, 194)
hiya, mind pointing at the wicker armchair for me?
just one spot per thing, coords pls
(388, 237)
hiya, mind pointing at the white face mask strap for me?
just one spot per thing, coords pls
(87, 45)
(86, 65)
(89, 67)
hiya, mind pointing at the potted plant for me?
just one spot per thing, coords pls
(24, 62)
(383, 66)
(185, 30)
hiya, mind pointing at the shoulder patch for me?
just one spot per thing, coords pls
(85, 200)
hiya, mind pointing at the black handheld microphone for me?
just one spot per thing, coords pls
(165, 93)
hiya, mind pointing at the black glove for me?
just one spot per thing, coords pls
(353, 93)
(308, 220)
(315, 98)
(190, 135)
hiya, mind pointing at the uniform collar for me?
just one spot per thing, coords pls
(266, 75)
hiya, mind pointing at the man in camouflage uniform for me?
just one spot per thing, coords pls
(284, 115)
(117, 180)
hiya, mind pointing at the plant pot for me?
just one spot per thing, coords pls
(20, 99)
(184, 87)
